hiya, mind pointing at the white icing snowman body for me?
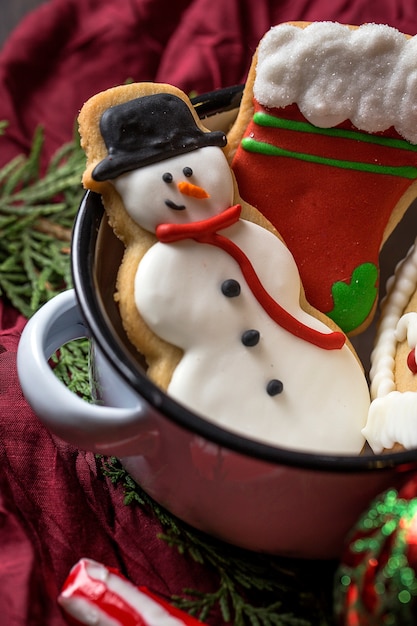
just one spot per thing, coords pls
(239, 368)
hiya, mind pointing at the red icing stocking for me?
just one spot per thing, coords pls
(330, 193)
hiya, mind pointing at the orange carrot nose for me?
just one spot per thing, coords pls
(188, 189)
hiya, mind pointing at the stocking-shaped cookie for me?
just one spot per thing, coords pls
(325, 147)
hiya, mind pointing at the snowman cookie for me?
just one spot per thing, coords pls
(392, 421)
(325, 147)
(207, 290)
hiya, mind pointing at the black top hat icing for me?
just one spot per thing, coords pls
(149, 129)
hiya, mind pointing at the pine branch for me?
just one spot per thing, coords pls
(36, 218)
(71, 367)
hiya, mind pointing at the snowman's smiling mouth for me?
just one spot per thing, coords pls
(176, 207)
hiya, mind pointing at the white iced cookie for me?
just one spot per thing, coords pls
(252, 356)
(392, 421)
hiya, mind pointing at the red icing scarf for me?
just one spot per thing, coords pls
(205, 231)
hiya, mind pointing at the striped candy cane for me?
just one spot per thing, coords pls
(96, 595)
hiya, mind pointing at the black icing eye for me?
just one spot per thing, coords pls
(167, 177)
(187, 171)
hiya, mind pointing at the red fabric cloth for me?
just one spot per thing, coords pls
(55, 507)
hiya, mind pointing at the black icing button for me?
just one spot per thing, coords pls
(250, 337)
(230, 288)
(274, 387)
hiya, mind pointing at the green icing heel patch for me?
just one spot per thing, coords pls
(353, 301)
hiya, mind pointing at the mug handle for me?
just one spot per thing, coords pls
(103, 429)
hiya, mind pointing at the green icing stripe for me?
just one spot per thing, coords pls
(270, 121)
(267, 149)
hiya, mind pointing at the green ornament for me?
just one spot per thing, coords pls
(376, 582)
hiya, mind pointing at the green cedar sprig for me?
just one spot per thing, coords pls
(71, 366)
(253, 589)
(37, 211)
(36, 216)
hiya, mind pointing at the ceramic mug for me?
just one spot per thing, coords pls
(251, 494)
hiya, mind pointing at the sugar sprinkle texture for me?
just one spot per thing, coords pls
(367, 75)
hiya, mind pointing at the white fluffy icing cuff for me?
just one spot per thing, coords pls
(334, 73)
